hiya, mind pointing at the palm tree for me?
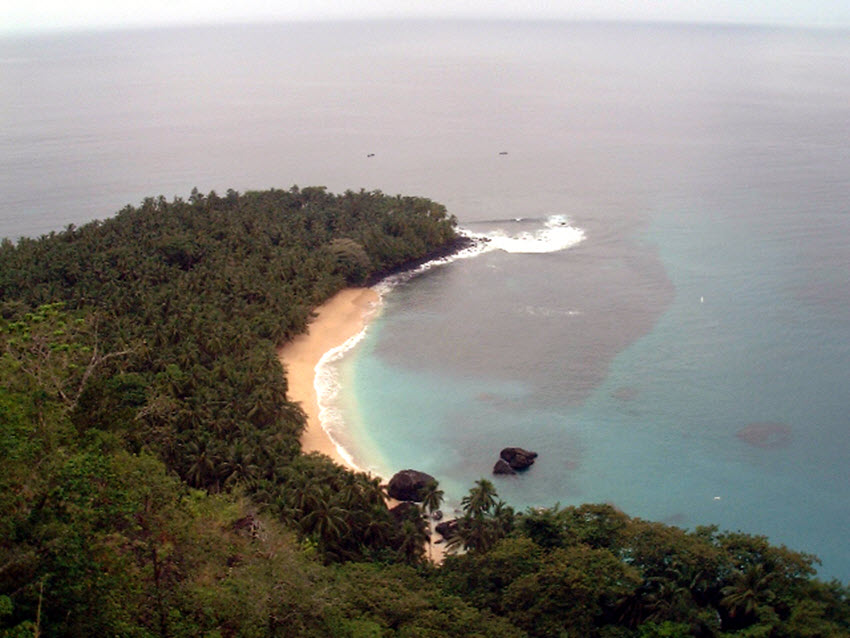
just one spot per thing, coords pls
(374, 492)
(377, 528)
(476, 534)
(668, 600)
(350, 491)
(480, 500)
(307, 495)
(239, 465)
(201, 465)
(327, 521)
(432, 498)
(748, 591)
(413, 537)
(504, 518)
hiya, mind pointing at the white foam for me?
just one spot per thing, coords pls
(477, 248)
(555, 235)
(327, 385)
(543, 311)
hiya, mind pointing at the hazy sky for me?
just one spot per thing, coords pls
(34, 15)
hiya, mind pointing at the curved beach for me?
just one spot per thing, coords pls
(340, 318)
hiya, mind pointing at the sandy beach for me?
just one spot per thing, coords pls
(343, 316)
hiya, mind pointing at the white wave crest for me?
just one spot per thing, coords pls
(326, 382)
(555, 235)
(542, 311)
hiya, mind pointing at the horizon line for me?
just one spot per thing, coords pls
(118, 27)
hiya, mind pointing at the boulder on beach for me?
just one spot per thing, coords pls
(518, 458)
(447, 529)
(503, 467)
(408, 485)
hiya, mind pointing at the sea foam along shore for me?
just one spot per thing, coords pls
(342, 321)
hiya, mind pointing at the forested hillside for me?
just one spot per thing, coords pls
(188, 299)
(152, 482)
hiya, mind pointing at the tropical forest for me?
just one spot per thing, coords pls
(152, 481)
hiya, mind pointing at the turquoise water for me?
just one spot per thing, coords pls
(661, 435)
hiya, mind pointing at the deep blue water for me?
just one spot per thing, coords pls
(685, 360)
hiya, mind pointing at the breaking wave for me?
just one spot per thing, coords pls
(326, 382)
(556, 234)
(553, 235)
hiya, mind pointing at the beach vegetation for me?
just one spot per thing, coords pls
(152, 482)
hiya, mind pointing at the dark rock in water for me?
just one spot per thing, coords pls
(503, 467)
(767, 435)
(447, 529)
(408, 485)
(405, 510)
(625, 393)
(437, 515)
(518, 458)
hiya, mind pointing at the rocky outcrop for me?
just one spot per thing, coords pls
(503, 467)
(247, 525)
(447, 529)
(453, 246)
(408, 485)
(518, 458)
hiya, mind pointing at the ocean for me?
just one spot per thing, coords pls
(663, 309)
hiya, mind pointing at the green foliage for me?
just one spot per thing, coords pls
(570, 593)
(593, 571)
(186, 301)
(485, 520)
(352, 262)
(666, 629)
(403, 603)
(343, 514)
(483, 577)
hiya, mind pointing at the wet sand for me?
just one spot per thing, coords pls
(341, 317)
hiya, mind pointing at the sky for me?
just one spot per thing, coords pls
(46, 15)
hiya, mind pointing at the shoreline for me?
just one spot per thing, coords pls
(340, 318)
